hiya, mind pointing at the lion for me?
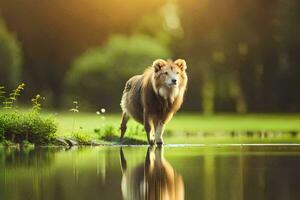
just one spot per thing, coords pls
(153, 97)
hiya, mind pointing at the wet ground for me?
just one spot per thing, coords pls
(173, 172)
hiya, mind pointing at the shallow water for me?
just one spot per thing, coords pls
(172, 172)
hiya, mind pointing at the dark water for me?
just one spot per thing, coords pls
(207, 172)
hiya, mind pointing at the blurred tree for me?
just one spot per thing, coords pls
(164, 24)
(234, 52)
(54, 32)
(98, 76)
(288, 37)
(10, 58)
(242, 55)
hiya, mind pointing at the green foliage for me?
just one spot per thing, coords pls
(2, 93)
(137, 130)
(8, 143)
(74, 110)
(250, 50)
(36, 105)
(1, 134)
(26, 143)
(108, 131)
(83, 139)
(9, 101)
(10, 58)
(166, 22)
(98, 76)
(17, 126)
(24, 127)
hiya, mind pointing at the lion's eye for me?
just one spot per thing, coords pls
(177, 72)
(166, 73)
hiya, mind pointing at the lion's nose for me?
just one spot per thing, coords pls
(174, 81)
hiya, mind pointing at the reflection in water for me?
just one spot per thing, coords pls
(27, 158)
(209, 173)
(153, 179)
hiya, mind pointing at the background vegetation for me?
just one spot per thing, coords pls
(10, 58)
(243, 56)
(96, 77)
(21, 127)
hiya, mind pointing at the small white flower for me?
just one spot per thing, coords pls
(102, 110)
(98, 113)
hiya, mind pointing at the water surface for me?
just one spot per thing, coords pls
(172, 172)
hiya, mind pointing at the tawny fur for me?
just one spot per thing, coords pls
(152, 99)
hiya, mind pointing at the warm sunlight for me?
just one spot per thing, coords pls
(149, 99)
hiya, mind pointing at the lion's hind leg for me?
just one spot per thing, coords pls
(123, 126)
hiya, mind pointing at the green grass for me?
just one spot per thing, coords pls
(184, 128)
(236, 122)
(191, 123)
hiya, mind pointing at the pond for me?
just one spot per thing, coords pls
(171, 172)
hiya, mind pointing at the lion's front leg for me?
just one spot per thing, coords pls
(149, 128)
(160, 128)
(159, 133)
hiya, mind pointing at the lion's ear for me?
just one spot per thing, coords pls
(181, 64)
(158, 64)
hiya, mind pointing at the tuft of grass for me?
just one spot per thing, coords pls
(108, 131)
(12, 98)
(74, 110)
(24, 127)
(136, 131)
(2, 93)
(36, 105)
(19, 126)
(81, 138)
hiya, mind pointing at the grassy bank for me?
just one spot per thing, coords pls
(185, 128)
(191, 123)
(37, 126)
(192, 128)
